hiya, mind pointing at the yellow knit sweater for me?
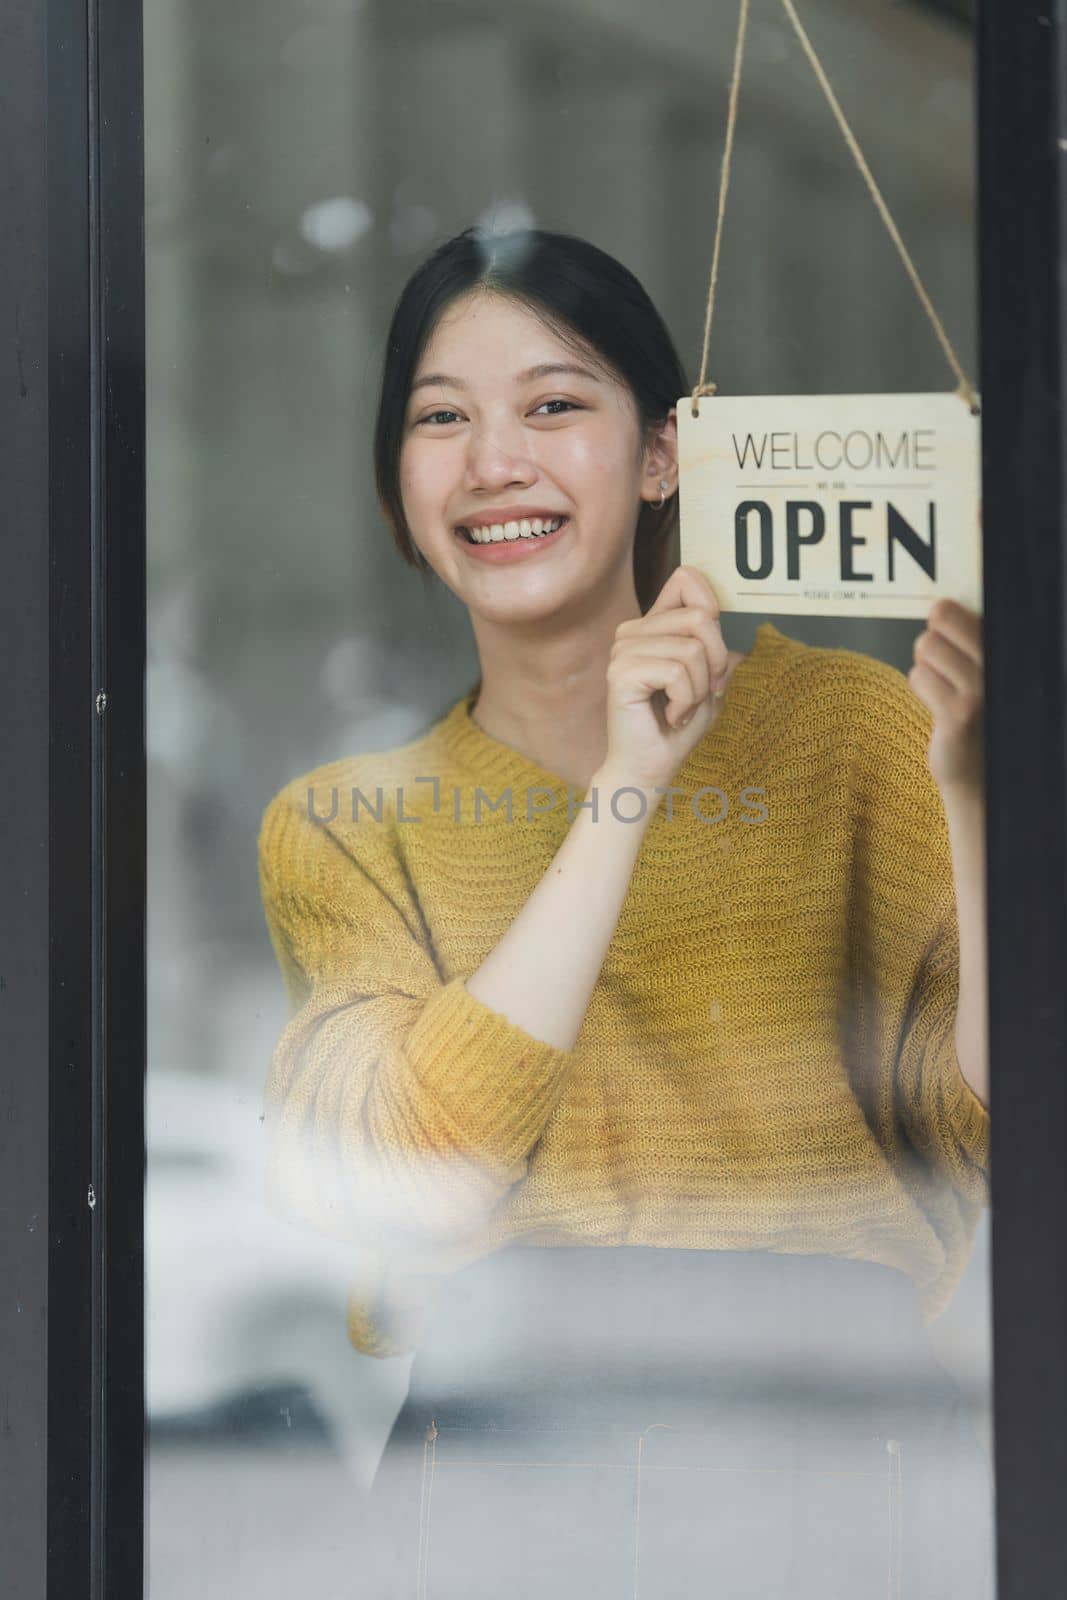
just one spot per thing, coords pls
(768, 1060)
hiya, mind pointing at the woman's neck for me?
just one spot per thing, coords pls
(544, 690)
(552, 708)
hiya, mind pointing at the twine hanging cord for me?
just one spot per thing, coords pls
(966, 390)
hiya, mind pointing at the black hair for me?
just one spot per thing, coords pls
(590, 301)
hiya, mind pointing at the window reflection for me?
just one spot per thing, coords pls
(664, 1298)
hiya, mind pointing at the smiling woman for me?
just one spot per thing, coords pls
(564, 397)
(657, 1134)
(572, 461)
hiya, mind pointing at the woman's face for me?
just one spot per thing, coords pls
(490, 440)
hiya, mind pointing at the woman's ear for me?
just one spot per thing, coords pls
(661, 457)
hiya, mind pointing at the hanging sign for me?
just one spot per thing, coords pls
(832, 505)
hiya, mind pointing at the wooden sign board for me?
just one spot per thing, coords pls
(832, 505)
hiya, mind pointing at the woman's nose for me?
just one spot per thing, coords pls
(497, 454)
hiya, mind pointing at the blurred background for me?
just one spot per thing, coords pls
(302, 158)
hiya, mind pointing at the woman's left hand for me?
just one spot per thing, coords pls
(948, 678)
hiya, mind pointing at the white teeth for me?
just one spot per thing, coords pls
(524, 529)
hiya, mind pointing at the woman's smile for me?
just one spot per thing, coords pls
(517, 547)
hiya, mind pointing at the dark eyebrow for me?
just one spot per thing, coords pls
(545, 370)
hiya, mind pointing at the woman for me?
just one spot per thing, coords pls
(635, 1030)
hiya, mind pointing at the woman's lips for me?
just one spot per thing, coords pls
(505, 550)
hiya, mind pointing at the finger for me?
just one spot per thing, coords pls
(956, 666)
(635, 679)
(936, 692)
(686, 586)
(959, 624)
(685, 648)
(679, 622)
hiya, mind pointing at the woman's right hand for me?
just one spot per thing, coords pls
(666, 677)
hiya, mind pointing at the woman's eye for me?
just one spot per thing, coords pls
(451, 415)
(568, 403)
(430, 416)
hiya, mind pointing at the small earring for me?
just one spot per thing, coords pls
(663, 487)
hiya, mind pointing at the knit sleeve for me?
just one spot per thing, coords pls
(398, 1108)
(946, 1120)
(905, 947)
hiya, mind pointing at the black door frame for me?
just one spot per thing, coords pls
(72, 856)
(1022, 170)
(72, 843)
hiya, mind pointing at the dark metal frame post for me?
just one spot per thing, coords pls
(116, 81)
(72, 858)
(123, 823)
(1022, 98)
(71, 534)
(24, 930)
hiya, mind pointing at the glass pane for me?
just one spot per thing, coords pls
(544, 1203)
